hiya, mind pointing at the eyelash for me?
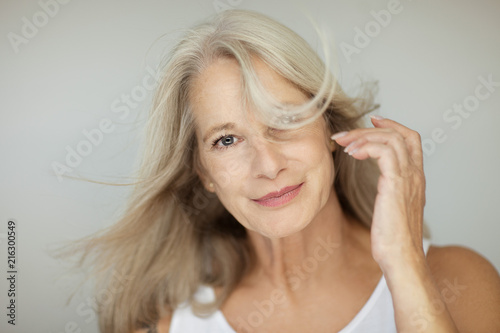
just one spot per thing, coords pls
(216, 141)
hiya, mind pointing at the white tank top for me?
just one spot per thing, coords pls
(376, 316)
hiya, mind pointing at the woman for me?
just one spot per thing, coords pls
(265, 206)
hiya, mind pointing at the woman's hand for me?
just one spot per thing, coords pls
(397, 224)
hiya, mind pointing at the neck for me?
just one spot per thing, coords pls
(313, 256)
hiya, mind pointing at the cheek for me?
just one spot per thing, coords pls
(314, 154)
(229, 174)
(318, 165)
(325, 172)
(227, 171)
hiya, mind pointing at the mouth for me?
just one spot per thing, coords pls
(279, 198)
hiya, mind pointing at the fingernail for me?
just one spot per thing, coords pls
(338, 135)
(349, 146)
(376, 116)
(352, 152)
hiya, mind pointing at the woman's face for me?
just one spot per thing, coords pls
(274, 187)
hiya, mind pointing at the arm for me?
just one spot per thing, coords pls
(396, 231)
(457, 290)
(469, 286)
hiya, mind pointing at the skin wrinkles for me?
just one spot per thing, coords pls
(264, 160)
(252, 166)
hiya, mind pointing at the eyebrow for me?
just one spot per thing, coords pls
(218, 128)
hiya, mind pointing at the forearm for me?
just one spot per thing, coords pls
(418, 304)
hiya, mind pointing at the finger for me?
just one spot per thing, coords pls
(411, 137)
(385, 155)
(391, 138)
(344, 138)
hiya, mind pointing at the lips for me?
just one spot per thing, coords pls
(281, 197)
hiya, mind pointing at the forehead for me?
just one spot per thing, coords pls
(217, 88)
(215, 95)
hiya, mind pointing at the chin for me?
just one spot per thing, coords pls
(280, 230)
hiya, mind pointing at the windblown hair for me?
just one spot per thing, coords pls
(174, 235)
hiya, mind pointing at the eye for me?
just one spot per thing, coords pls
(224, 141)
(227, 140)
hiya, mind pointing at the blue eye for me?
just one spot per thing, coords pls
(227, 140)
(224, 141)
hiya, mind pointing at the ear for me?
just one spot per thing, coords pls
(207, 183)
(333, 145)
(329, 131)
(204, 178)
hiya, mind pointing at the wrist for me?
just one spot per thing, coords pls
(402, 261)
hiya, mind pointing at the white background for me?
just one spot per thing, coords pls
(65, 78)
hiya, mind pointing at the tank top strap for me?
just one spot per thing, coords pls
(376, 316)
(185, 321)
(426, 244)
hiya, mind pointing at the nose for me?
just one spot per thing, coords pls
(268, 159)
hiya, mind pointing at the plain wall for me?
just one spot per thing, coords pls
(77, 70)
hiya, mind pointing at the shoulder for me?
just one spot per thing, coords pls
(469, 285)
(461, 262)
(164, 323)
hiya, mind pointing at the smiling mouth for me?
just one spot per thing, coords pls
(279, 198)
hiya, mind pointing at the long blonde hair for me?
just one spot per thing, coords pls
(174, 235)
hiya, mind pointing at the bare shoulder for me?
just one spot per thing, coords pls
(164, 323)
(469, 285)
